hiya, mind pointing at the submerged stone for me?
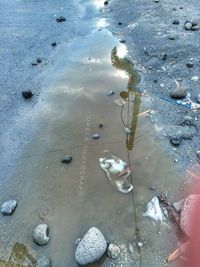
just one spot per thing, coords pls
(67, 159)
(43, 262)
(113, 251)
(91, 247)
(40, 234)
(8, 207)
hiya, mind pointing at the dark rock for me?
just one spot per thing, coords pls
(96, 136)
(67, 159)
(54, 44)
(120, 23)
(198, 154)
(39, 60)
(194, 22)
(100, 125)
(155, 81)
(8, 207)
(122, 41)
(176, 141)
(175, 22)
(34, 64)
(27, 94)
(190, 65)
(106, 3)
(43, 262)
(61, 19)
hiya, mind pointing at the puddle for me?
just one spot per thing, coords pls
(72, 198)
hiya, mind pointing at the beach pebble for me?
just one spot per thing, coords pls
(179, 93)
(91, 247)
(195, 78)
(172, 36)
(27, 94)
(113, 251)
(188, 26)
(96, 136)
(61, 19)
(109, 93)
(8, 207)
(190, 65)
(43, 262)
(40, 234)
(127, 130)
(175, 22)
(67, 159)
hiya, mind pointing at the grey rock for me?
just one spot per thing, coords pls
(188, 26)
(172, 36)
(176, 141)
(96, 136)
(194, 22)
(195, 28)
(40, 234)
(175, 22)
(198, 98)
(109, 93)
(179, 93)
(91, 247)
(198, 154)
(8, 207)
(43, 262)
(184, 132)
(67, 159)
(113, 251)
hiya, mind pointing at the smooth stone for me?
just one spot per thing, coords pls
(27, 94)
(195, 28)
(190, 65)
(179, 93)
(100, 125)
(195, 78)
(127, 130)
(194, 22)
(109, 93)
(140, 244)
(176, 141)
(198, 98)
(91, 247)
(67, 159)
(8, 207)
(43, 262)
(40, 234)
(96, 136)
(54, 44)
(188, 26)
(172, 36)
(113, 251)
(39, 60)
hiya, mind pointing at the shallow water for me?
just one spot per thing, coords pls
(72, 198)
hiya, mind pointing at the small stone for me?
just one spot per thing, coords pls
(61, 19)
(100, 125)
(109, 93)
(190, 65)
(96, 136)
(113, 251)
(152, 188)
(105, 3)
(27, 94)
(172, 36)
(198, 154)
(195, 28)
(34, 64)
(120, 23)
(198, 98)
(67, 159)
(8, 207)
(54, 44)
(195, 78)
(194, 22)
(156, 1)
(140, 244)
(122, 41)
(43, 262)
(176, 160)
(40, 234)
(188, 26)
(39, 60)
(175, 22)
(176, 141)
(179, 93)
(91, 247)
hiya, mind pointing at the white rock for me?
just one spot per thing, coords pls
(8, 207)
(91, 247)
(154, 210)
(113, 251)
(178, 205)
(40, 234)
(195, 78)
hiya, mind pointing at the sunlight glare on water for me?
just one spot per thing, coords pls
(98, 3)
(122, 51)
(102, 23)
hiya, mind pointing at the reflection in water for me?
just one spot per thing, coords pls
(131, 97)
(20, 257)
